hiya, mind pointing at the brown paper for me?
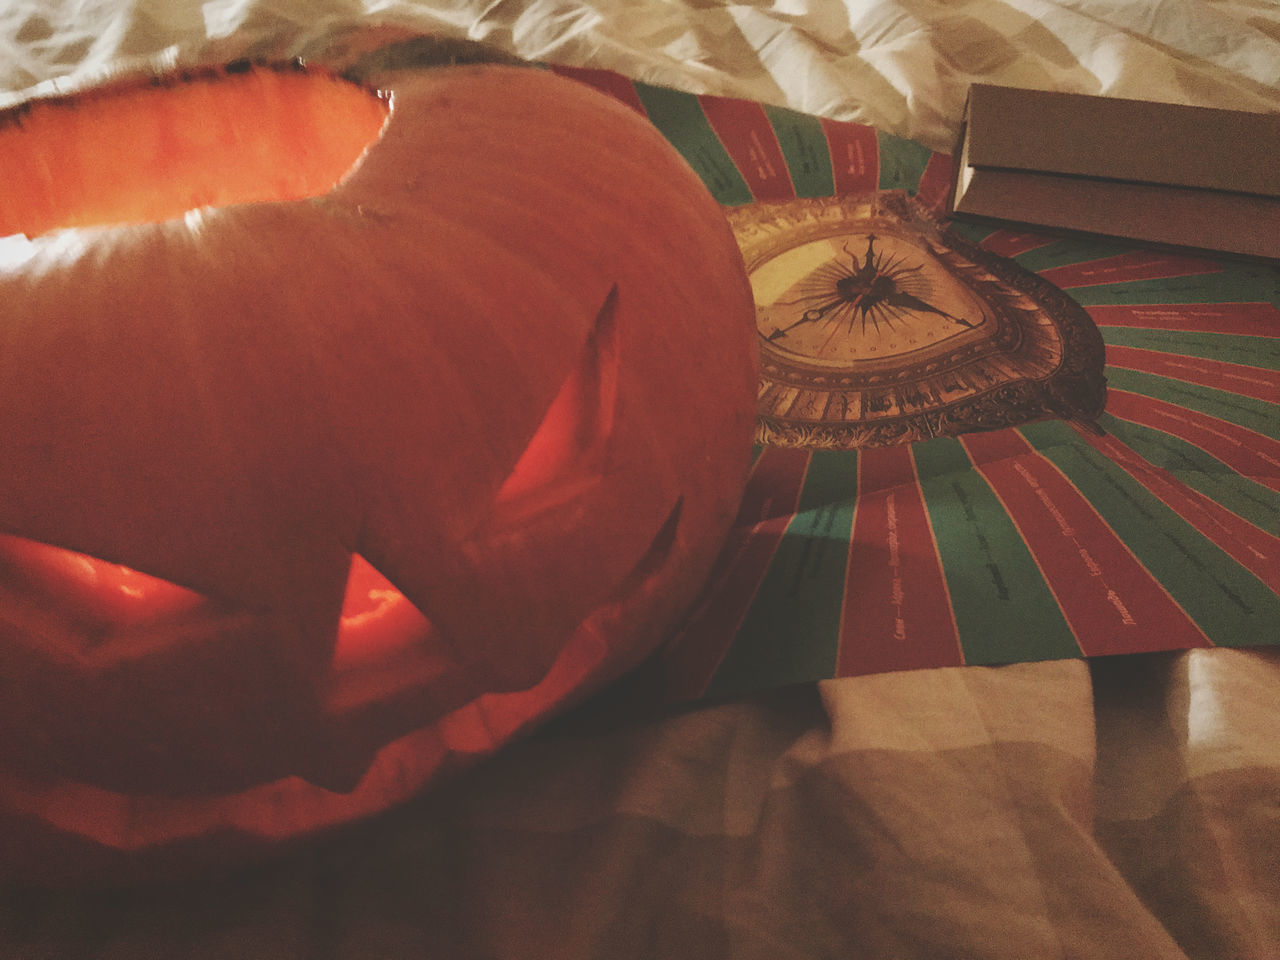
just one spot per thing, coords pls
(1161, 173)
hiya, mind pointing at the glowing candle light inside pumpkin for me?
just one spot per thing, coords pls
(376, 618)
(276, 135)
(247, 362)
(15, 250)
(173, 169)
(95, 591)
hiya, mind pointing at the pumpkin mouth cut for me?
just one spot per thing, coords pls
(141, 152)
(100, 597)
(99, 601)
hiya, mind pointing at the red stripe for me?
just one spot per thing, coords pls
(1248, 319)
(768, 505)
(614, 84)
(935, 183)
(744, 129)
(1010, 244)
(855, 156)
(1111, 601)
(1232, 377)
(1248, 453)
(1139, 265)
(897, 610)
(1254, 549)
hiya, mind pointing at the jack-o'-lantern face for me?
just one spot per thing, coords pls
(286, 481)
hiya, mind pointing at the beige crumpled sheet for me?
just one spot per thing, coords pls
(900, 65)
(1128, 808)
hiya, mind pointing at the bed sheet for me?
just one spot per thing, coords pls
(902, 66)
(1128, 807)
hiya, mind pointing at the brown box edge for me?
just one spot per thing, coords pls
(1047, 227)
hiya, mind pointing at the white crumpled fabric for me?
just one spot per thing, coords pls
(900, 65)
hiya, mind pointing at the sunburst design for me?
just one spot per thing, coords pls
(877, 326)
(877, 290)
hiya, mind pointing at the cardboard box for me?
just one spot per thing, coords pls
(1159, 173)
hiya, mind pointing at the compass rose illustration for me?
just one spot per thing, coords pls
(878, 289)
(878, 326)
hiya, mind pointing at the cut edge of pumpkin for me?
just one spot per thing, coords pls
(152, 150)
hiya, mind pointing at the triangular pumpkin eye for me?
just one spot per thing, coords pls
(377, 619)
(92, 591)
(567, 450)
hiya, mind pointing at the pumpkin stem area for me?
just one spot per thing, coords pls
(151, 151)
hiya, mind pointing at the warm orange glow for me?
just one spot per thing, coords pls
(376, 619)
(483, 209)
(555, 443)
(92, 590)
(141, 153)
(578, 422)
(385, 648)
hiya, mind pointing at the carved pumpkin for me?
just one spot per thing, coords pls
(345, 436)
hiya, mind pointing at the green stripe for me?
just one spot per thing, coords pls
(1257, 415)
(1230, 604)
(996, 588)
(804, 146)
(1070, 251)
(1238, 283)
(679, 117)
(902, 162)
(1201, 471)
(792, 631)
(1263, 352)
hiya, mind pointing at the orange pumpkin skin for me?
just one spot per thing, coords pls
(507, 364)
